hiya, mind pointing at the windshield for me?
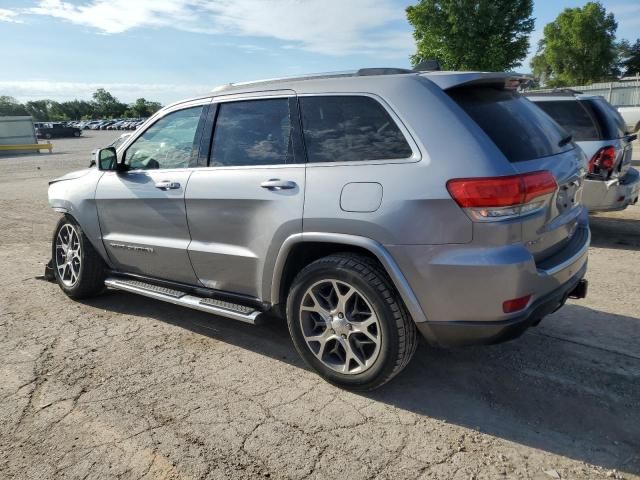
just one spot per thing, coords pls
(517, 127)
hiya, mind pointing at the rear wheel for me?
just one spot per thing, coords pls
(348, 322)
(76, 133)
(78, 268)
(47, 136)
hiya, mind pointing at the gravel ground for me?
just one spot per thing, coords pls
(120, 386)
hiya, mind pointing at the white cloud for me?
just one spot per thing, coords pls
(7, 15)
(125, 92)
(332, 27)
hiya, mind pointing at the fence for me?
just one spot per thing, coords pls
(16, 131)
(625, 93)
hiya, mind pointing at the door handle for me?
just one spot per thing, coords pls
(167, 185)
(277, 184)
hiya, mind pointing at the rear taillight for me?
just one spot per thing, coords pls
(603, 161)
(497, 198)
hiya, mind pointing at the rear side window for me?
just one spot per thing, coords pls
(350, 128)
(611, 122)
(252, 132)
(518, 128)
(574, 117)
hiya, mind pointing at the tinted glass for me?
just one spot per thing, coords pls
(255, 132)
(518, 128)
(611, 122)
(344, 128)
(168, 143)
(574, 117)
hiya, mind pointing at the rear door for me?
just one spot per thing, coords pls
(249, 198)
(141, 211)
(531, 141)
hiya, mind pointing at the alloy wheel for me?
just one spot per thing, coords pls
(340, 326)
(68, 260)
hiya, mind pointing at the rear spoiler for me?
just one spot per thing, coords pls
(447, 80)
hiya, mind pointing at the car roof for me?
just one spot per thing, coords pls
(356, 80)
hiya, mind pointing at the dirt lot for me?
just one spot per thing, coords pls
(121, 386)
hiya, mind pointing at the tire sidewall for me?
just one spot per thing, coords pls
(389, 339)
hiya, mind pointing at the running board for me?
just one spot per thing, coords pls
(178, 297)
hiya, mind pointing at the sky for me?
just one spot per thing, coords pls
(166, 50)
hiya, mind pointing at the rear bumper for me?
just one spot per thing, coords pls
(461, 288)
(455, 334)
(617, 194)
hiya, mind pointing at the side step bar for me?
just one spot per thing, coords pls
(177, 297)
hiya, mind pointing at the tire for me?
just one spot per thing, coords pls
(84, 277)
(338, 299)
(76, 133)
(47, 136)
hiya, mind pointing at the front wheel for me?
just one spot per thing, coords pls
(78, 268)
(348, 322)
(76, 133)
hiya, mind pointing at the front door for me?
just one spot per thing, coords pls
(250, 199)
(141, 210)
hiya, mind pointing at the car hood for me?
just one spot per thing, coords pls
(71, 175)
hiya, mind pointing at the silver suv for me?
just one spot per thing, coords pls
(362, 206)
(597, 128)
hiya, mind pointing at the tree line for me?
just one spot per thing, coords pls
(102, 105)
(579, 47)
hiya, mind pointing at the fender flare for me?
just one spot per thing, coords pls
(376, 248)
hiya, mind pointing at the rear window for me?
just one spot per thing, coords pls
(574, 117)
(350, 128)
(518, 128)
(611, 122)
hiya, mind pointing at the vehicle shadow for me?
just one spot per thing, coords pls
(614, 232)
(572, 395)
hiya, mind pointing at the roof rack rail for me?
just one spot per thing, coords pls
(363, 72)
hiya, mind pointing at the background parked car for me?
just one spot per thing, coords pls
(631, 116)
(600, 131)
(50, 130)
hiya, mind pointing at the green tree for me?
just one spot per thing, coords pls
(38, 109)
(629, 57)
(578, 47)
(10, 107)
(106, 105)
(77, 109)
(472, 34)
(143, 108)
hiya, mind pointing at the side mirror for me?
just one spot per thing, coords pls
(107, 158)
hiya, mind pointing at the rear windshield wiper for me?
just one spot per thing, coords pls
(565, 140)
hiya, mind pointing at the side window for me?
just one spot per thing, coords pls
(350, 128)
(573, 117)
(252, 132)
(168, 143)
